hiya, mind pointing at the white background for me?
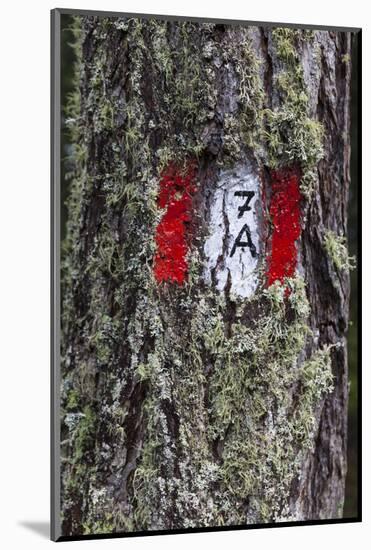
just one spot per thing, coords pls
(24, 271)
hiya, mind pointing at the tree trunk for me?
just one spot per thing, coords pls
(205, 277)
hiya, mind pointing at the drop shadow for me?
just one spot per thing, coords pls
(41, 528)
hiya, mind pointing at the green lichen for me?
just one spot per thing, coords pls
(242, 126)
(249, 392)
(284, 39)
(292, 136)
(72, 401)
(106, 334)
(84, 435)
(254, 370)
(346, 59)
(337, 249)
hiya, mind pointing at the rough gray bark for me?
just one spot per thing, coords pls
(189, 406)
(323, 489)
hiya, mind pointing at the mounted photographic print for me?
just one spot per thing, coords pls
(205, 214)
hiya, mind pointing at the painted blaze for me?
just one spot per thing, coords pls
(177, 187)
(234, 243)
(284, 214)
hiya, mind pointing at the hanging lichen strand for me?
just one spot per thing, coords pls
(183, 406)
(291, 135)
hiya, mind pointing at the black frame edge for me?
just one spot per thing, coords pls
(192, 530)
(55, 129)
(99, 13)
(358, 36)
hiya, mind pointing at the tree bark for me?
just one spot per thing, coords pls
(219, 398)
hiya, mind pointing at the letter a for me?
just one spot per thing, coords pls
(242, 244)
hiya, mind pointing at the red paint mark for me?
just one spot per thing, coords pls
(177, 187)
(285, 216)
